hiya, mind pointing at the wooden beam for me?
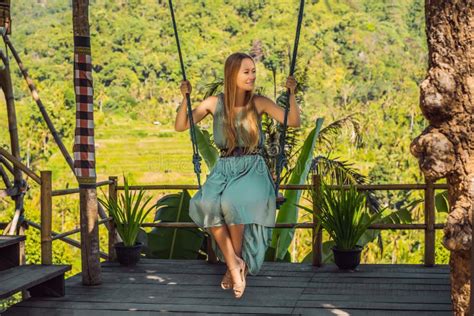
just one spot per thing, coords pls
(17, 163)
(429, 222)
(4, 177)
(384, 226)
(362, 187)
(6, 164)
(112, 231)
(91, 273)
(46, 218)
(317, 235)
(78, 230)
(76, 190)
(7, 87)
(67, 240)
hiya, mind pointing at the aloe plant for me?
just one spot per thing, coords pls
(386, 215)
(343, 213)
(129, 211)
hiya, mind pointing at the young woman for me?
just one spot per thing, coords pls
(236, 204)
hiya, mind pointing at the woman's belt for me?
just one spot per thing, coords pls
(239, 151)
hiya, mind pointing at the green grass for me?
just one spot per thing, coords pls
(148, 153)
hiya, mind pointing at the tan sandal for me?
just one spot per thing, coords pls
(239, 287)
(226, 282)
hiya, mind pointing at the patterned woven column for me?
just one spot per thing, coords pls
(84, 151)
(5, 20)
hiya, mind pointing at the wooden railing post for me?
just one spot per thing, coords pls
(430, 223)
(317, 233)
(22, 232)
(46, 218)
(90, 247)
(112, 231)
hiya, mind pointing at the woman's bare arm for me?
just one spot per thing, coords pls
(266, 105)
(199, 113)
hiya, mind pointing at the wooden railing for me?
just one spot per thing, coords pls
(429, 226)
(48, 236)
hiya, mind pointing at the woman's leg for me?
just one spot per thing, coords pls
(236, 235)
(222, 237)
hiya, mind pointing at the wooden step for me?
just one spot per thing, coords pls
(6, 241)
(40, 280)
(10, 251)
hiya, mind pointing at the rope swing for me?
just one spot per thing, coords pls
(196, 156)
(281, 159)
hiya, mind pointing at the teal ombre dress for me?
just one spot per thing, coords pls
(238, 190)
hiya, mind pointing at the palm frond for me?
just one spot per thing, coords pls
(335, 170)
(214, 87)
(335, 128)
(217, 86)
(342, 172)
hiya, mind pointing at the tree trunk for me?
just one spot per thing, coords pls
(446, 148)
(84, 149)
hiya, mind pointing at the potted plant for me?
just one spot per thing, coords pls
(343, 213)
(128, 213)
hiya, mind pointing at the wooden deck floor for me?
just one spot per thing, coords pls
(192, 286)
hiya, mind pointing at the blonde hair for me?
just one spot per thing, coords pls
(249, 115)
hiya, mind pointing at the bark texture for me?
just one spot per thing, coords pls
(446, 148)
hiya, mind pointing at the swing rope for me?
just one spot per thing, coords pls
(281, 159)
(196, 156)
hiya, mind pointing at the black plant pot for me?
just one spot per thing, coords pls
(128, 255)
(347, 259)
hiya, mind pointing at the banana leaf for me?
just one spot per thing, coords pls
(174, 243)
(207, 150)
(441, 202)
(288, 212)
(270, 255)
